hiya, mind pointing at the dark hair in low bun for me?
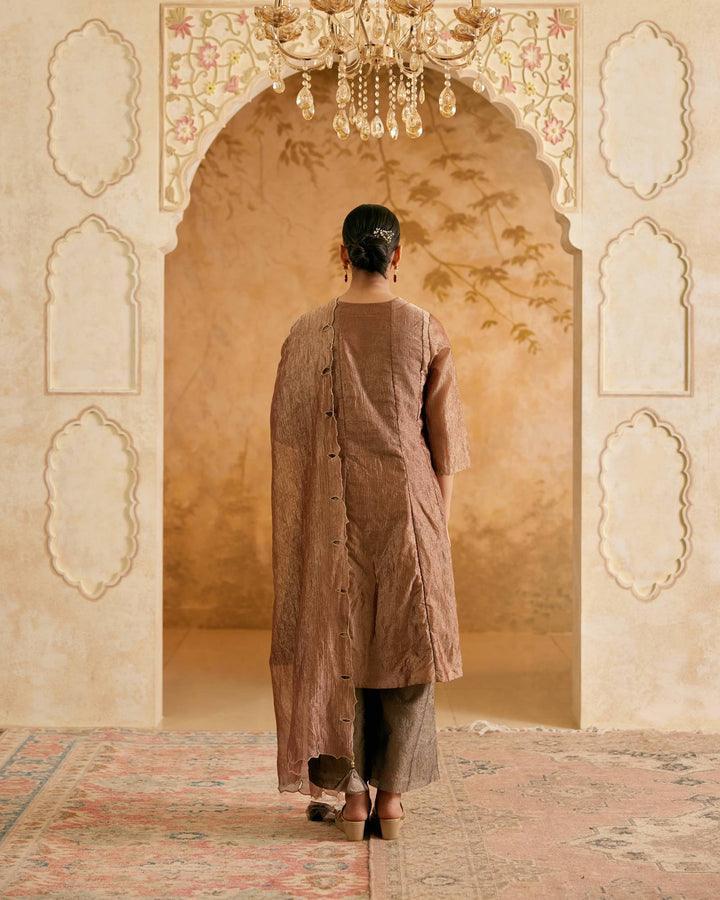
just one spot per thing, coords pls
(371, 233)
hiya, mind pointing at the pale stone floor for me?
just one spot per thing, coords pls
(219, 680)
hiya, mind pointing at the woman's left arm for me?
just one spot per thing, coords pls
(444, 423)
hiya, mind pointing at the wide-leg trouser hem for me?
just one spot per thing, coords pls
(394, 740)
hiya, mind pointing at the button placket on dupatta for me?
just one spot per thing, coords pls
(340, 542)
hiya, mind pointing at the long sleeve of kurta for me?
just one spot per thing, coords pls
(444, 422)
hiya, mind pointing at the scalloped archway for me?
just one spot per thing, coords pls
(189, 113)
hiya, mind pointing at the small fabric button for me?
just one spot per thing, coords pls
(337, 542)
(326, 370)
(332, 455)
(344, 634)
(334, 497)
(342, 590)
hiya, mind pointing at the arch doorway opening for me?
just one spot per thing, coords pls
(485, 252)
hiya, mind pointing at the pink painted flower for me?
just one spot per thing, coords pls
(554, 130)
(185, 129)
(242, 17)
(232, 85)
(182, 29)
(208, 55)
(445, 35)
(532, 56)
(564, 82)
(560, 23)
(508, 86)
(175, 81)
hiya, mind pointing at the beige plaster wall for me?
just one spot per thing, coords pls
(657, 660)
(257, 246)
(68, 659)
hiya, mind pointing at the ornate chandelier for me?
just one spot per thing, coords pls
(367, 37)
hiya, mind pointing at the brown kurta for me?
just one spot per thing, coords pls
(365, 412)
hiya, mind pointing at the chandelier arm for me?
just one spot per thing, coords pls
(404, 68)
(395, 27)
(351, 69)
(401, 37)
(457, 60)
(337, 25)
(358, 18)
(351, 63)
(313, 62)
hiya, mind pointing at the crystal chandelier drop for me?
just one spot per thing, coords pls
(367, 38)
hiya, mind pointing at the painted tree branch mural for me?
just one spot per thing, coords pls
(510, 279)
(258, 246)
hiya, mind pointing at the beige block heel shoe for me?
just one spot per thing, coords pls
(390, 828)
(354, 831)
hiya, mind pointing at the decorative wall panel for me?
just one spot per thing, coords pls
(94, 82)
(212, 64)
(646, 133)
(645, 317)
(91, 474)
(644, 527)
(92, 314)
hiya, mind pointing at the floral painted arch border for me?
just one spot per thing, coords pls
(211, 65)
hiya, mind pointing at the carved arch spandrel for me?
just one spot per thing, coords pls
(647, 144)
(644, 527)
(91, 475)
(212, 64)
(94, 75)
(645, 344)
(92, 315)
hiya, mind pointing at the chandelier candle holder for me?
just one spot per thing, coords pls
(368, 38)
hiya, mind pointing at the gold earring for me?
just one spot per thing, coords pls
(346, 268)
(395, 273)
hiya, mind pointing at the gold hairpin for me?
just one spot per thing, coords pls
(384, 233)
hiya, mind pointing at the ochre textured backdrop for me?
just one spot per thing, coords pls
(257, 247)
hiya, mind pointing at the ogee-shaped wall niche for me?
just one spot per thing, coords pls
(93, 133)
(92, 314)
(645, 132)
(645, 315)
(644, 528)
(91, 475)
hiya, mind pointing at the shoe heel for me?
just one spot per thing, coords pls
(354, 831)
(390, 828)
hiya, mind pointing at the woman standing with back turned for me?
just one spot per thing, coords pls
(367, 431)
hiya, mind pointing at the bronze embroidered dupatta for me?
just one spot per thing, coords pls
(311, 653)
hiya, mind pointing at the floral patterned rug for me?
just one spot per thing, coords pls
(567, 815)
(141, 814)
(518, 814)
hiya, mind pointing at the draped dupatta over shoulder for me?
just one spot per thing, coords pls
(311, 659)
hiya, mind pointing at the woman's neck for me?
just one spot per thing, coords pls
(368, 286)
